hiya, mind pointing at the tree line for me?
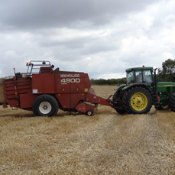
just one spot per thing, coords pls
(166, 73)
(109, 81)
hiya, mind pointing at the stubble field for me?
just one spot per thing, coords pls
(106, 143)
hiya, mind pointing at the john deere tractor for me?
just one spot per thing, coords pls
(142, 91)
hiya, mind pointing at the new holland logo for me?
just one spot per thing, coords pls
(69, 75)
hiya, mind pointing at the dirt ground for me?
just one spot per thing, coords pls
(105, 143)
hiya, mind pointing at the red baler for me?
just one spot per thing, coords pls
(48, 90)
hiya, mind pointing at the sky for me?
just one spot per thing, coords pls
(99, 37)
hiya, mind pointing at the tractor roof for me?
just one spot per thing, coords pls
(139, 68)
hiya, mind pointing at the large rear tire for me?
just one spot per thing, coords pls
(116, 98)
(137, 100)
(120, 111)
(45, 105)
(172, 102)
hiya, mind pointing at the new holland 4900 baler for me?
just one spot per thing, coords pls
(48, 90)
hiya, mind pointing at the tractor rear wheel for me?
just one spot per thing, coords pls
(45, 105)
(172, 102)
(137, 100)
(120, 111)
(116, 98)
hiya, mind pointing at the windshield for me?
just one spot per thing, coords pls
(130, 77)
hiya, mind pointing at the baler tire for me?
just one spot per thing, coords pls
(89, 113)
(45, 105)
(172, 102)
(137, 100)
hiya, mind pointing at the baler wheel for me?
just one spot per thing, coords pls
(45, 105)
(137, 100)
(89, 113)
(172, 102)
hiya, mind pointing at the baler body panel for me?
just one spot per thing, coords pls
(26, 100)
(43, 83)
(70, 88)
(13, 89)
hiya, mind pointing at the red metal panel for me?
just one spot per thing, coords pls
(87, 82)
(90, 97)
(76, 98)
(77, 86)
(43, 83)
(71, 88)
(9, 97)
(83, 108)
(61, 86)
(64, 100)
(26, 100)
(48, 83)
(37, 84)
(13, 103)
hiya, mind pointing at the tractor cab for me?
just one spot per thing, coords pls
(139, 75)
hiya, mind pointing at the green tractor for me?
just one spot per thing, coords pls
(142, 91)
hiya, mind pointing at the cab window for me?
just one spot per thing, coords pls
(147, 76)
(138, 75)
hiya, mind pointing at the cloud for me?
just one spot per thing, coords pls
(32, 14)
(102, 38)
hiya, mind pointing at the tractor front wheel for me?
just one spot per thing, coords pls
(45, 105)
(172, 102)
(137, 100)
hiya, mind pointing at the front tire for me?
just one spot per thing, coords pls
(137, 100)
(45, 105)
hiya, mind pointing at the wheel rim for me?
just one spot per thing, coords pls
(139, 101)
(45, 107)
(89, 113)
